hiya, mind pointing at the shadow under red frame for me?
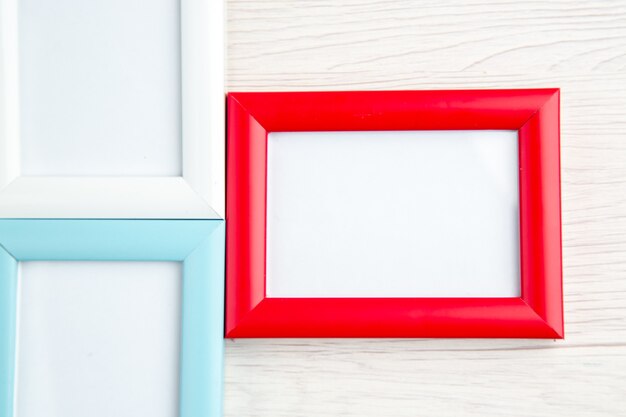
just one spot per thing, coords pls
(534, 113)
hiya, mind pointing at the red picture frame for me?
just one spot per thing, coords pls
(534, 113)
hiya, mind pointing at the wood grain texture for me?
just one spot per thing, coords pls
(363, 44)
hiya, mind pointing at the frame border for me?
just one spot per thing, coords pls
(199, 244)
(198, 193)
(534, 113)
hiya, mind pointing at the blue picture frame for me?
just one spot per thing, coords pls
(199, 244)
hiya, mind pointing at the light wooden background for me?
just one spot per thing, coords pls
(368, 44)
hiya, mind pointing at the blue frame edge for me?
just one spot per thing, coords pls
(8, 314)
(199, 244)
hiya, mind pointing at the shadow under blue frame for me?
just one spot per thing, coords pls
(199, 244)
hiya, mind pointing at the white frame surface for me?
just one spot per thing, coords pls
(198, 193)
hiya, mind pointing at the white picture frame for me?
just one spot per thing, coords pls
(198, 193)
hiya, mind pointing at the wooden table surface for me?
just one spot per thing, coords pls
(578, 46)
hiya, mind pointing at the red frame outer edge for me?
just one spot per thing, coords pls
(538, 313)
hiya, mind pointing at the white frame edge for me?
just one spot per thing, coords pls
(199, 193)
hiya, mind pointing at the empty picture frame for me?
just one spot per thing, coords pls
(296, 268)
(112, 110)
(198, 244)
